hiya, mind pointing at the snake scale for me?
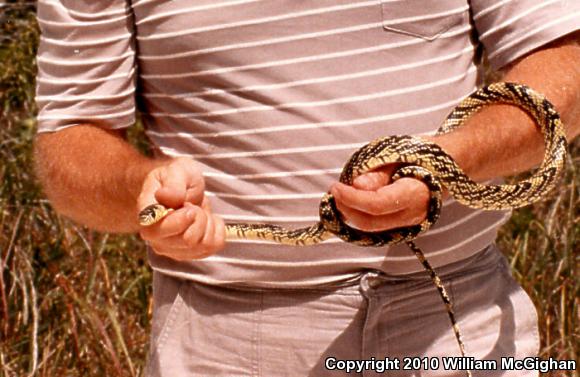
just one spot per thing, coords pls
(428, 162)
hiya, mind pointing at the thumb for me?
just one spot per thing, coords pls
(171, 195)
(179, 182)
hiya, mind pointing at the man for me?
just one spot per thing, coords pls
(254, 106)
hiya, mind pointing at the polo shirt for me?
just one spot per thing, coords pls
(270, 98)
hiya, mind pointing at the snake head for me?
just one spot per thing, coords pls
(152, 214)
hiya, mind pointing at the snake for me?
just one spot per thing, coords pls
(428, 162)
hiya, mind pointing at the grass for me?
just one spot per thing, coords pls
(77, 303)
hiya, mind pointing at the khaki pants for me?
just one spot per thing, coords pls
(201, 330)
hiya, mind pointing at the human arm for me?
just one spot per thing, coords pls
(86, 95)
(500, 140)
(105, 188)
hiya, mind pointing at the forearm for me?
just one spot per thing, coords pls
(502, 140)
(92, 176)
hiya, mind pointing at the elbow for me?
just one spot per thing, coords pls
(46, 170)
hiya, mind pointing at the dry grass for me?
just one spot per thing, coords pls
(77, 303)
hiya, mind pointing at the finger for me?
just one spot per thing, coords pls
(147, 196)
(370, 223)
(364, 221)
(176, 189)
(213, 239)
(208, 235)
(181, 181)
(219, 240)
(195, 195)
(196, 231)
(175, 223)
(192, 244)
(205, 205)
(380, 202)
(401, 194)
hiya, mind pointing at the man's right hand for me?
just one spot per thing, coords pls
(191, 231)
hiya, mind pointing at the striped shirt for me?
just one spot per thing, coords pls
(272, 97)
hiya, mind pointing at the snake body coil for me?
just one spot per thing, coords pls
(428, 162)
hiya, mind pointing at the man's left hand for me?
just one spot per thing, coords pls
(374, 203)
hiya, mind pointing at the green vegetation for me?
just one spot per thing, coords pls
(77, 303)
(72, 302)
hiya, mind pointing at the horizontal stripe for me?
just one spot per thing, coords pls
(250, 197)
(86, 41)
(351, 99)
(183, 11)
(76, 13)
(258, 21)
(293, 38)
(318, 80)
(279, 174)
(315, 195)
(85, 97)
(517, 17)
(490, 9)
(45, 80)
(79, 116)
(428, 16)
(262, 43)
(262, 153)
(306, 126)
(269, 219)
(530, 33)
(286, 197)
(308, 13)
(74, 23)
(81, 62)
(306, 59)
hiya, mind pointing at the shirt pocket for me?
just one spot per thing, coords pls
(426, 19)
